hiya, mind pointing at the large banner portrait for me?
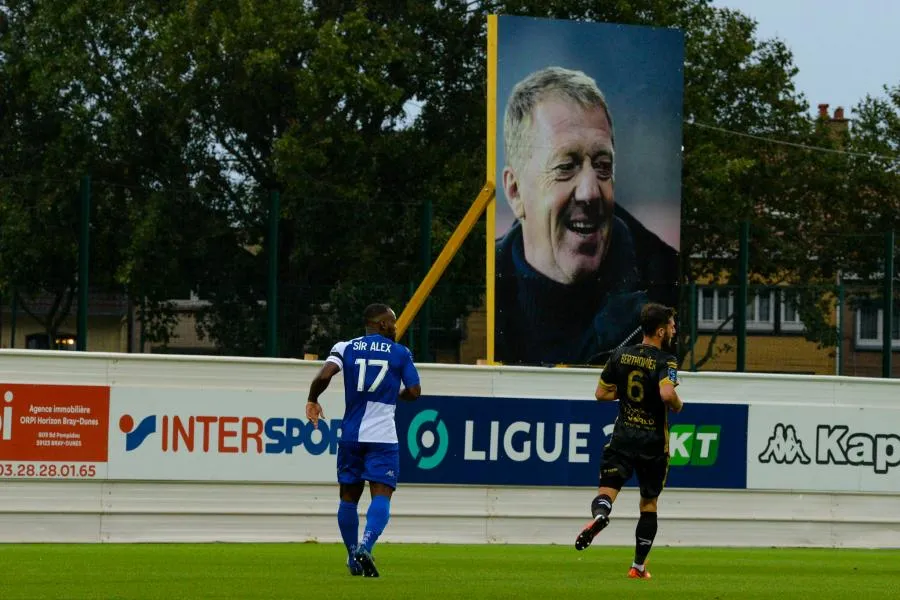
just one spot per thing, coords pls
(587, 133)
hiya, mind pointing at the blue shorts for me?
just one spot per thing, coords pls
(368, 461)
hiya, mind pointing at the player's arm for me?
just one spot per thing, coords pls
(606, 390)
(670, 397)
(667, 383)
(410, 377)
(411, 393)
(332, 367)
(320, 382)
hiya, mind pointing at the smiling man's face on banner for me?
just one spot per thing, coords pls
(559, 185)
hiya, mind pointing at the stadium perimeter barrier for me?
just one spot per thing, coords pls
(139, 448)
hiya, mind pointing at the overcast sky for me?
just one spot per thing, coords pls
(843, 49)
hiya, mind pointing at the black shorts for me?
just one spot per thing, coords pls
(618, 465)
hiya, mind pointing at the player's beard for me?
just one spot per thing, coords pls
(668, 343)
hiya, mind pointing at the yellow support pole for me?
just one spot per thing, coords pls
(491, 166)
(443, 260)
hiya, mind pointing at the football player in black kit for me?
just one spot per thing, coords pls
(642, 378)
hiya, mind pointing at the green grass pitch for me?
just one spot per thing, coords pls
(436, 572)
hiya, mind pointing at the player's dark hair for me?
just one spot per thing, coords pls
(654, 316)
(373, 311)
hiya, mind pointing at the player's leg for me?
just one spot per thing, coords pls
(350, 466)
(606, 495)
(615, 470)
(382, 469)
(378, 515)
(644, 534)
(652, 478)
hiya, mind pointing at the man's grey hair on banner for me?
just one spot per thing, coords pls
(550, 82)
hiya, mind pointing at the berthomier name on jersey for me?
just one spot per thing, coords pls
(373, 347)
(639, 361)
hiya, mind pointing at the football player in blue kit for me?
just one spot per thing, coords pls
(374, 367)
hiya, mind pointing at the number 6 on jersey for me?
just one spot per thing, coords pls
(635, 386)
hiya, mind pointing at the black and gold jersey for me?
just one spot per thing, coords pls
(638, 372)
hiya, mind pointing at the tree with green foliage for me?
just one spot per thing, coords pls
(188, 116)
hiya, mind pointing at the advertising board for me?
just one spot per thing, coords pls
(823, 448)
(534, 442)
(219, 435)
(53, 431)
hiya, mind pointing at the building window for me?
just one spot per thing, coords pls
(869, 323)
(190, 300)
(715, 305)
(790, 315)
(761, 310)
(41, 341)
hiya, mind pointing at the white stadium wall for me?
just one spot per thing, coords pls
(135, 448)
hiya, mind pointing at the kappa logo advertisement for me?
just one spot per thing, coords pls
(824, 448)
(510, 441)
(834, 445)
(784, 447)
(220, 435)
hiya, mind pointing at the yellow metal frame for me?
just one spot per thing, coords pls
(483, 203)
(443, 260)
(491, 167)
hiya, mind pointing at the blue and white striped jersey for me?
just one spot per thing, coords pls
(374, 367)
